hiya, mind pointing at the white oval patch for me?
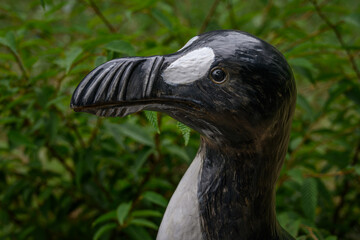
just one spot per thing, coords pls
(189, 67)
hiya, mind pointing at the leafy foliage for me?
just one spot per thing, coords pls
(66, 175)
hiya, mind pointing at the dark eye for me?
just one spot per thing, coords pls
(218, 75)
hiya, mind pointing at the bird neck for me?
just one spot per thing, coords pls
(236, 193)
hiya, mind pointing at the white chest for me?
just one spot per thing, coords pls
(181, 220)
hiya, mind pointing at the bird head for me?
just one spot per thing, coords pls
(230, 86)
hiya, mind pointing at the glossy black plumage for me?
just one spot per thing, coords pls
(244, 119)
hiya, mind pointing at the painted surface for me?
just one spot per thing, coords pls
(229, 190)
(181, 219)
(188, 43)
(190, 67)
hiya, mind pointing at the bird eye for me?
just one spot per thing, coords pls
(218, 75)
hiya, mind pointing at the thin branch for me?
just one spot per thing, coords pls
(76, 131)
(20, 63)
(345, 189)
(94, 132)
(232, 16)
(101, 16)
(317, 175)
(155, 159)
(60, 159)
(302, 40)
(338, 36)
(60, 79)
(338, 53)
(332, 174)
(307, 135)
(286, 177)
(103, 189)
(325, 141)
(311, 232)
(209, 16)
(264, 15)
(304, 16)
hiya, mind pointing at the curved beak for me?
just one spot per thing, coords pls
(127, 85)
(118, 87)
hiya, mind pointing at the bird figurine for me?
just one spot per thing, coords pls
(239, 93)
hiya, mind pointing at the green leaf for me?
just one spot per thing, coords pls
(71, 56)
(309, 194)
(121, 47)
(353, 19)
(155, 198)
(10, 37)
(305, 105)
(137, 133)
(331, 238)
(105, 217)
(122, 212)
(103, 230)
(158, 15)
(56, 101)
(9, 41)
(17, 138)
(288, 222)
(137, 233)
(43, 4)
(141, 158)
(141, 4)
(152, 117)
(303, 67)
(146, 213)
(324, 194)
(6, 120)
(179, 152)
(99, 60)
(354, 94)
(185, 131)
(144, 223)
(296, 175)
(357, 169)
(301, 62)
(115, 132)
(337, 90)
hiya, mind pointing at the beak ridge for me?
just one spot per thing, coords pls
(106, 86)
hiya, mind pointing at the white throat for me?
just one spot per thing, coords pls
(181, 220)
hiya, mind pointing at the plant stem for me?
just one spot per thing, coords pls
(94, 132)
(101, 16)
(209, 15)
(60, 159)
(20, 63)
(345, 189)
(338, 36)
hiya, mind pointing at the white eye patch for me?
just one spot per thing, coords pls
(189, 67)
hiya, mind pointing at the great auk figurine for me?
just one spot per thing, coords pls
(239, 93)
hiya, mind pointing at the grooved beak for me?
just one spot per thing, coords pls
(104, 91)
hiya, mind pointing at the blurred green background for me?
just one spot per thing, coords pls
(67, 175)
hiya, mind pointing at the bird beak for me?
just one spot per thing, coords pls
(118, 87)
(128, 85)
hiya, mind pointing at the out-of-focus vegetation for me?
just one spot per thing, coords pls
(67, 175)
